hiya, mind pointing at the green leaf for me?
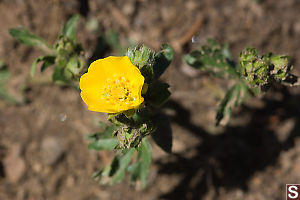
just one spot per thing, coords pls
(58, 75)
(69, 28)
(162, 60)
(233, 98)
(48, 60)
(104, 144)
(4, 94)
(213, 58)
(134, 170)
(113, 40)
(145, 157)
(123, 164)
(140, 169)
(158, 93)
(106, 134)
(163, 133)
(24, 36)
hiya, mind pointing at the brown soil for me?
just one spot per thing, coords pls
(43, 153)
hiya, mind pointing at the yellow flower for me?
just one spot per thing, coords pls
(112, 85)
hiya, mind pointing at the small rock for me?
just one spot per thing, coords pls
(52, 150)
(14, 165)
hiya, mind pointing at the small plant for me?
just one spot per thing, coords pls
(127, 88)
(66, 55)
(253, 75)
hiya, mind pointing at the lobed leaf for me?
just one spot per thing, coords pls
(213, 58)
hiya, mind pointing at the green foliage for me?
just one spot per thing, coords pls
(24, 36)
(66, 55)
(255, 73)
(131, 127)
(216, 59)
(162, 135)
(69, 28)
(152, 65)
(103, 140)
(233, 98)
(162, 60)
(140, 56)
(116, 170)
(113, 41)
(261, 71)
(158, 93)
(139, 170)
(213, 58)
(47, 61)
(5, 76)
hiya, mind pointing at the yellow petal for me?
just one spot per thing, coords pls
(119, 79)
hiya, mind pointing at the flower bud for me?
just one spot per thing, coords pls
(140, 56)
(254, 68)
(282, 67)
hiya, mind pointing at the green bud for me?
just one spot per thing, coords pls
(281, 67)
(260, 71)
(254, 68)
(140, 56)
(72, 68)
(248, 56)
(143, 58)
(64, 46)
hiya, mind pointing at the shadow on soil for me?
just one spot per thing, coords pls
(230, 159)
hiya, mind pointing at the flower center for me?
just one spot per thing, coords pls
(118, 91)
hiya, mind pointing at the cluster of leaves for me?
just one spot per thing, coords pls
(115, 171)
(128, 130)
(261, 71)
(65, 55)
(253, 75)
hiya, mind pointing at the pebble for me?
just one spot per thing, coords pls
(52, 150)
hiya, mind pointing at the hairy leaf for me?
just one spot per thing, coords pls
(123, 164)
(163, 133)
(213, 58)
(233, 98)
(162, 60)
(24, 36)
(104, 144)
(140, 169)
(69, 28)
(48, 60)
(158, 93)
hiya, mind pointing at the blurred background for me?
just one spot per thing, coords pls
(43, 153)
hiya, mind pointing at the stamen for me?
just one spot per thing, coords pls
(118, 91)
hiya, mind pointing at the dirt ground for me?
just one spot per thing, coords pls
(43, 153)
